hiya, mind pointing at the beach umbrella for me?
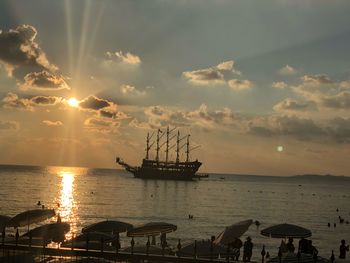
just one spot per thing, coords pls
(233, 232)
(31, 216)
(203, 249)
(54, 231)
(151, 229)
(3, 221)
(95, 236)
(286, 231)
(292, 258)
(108, 227)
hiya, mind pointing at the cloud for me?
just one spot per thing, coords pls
(9, 125)
(237, 84)
(317, 79)
(94, 103)
(344, 85)
(159, 116)
(279, 85)
(131, 90)
(44, 80)
(13, 101)
(290, 105)
(287, 70)
(338, 101)
(204, 76)
(340, 129)
(52, 123)
(300, 128)
(211, 76)
(18, 50)
(101, 125)
(127, 58)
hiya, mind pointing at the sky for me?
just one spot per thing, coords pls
(262, 86)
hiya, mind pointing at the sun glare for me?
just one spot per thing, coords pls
(73, 102)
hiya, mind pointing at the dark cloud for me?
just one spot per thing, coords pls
(20, 52)
(45, 100)
(290, 105)
(300, 128)
(339, 129)
(44, 80)
(9, 125)
(94, 103)
(13, 101)
(338, 101)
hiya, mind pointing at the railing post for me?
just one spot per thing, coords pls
(3, 235)
(87, 241)
(132, 245)
(263, 253)
(332, 257)
(102, 241)
(17, 236)
(179, 246)
(30, 239)
(298, 256)
(228, 253)
(147, 246)
(72, 242)
(195, 249)
(279, 255)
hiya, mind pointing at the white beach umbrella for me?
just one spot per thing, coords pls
(151, 229)
(31, 216)
(286, 231)
(233, 232)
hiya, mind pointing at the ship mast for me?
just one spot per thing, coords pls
(177, 146)
(147, 146)
(168, 132)
(188, 148)
(158, 146)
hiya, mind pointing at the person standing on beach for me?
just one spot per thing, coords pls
(247, 250)
(343, 249)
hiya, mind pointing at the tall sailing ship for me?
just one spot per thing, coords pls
(166, 169)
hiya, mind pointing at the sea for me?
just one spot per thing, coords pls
(83, 196)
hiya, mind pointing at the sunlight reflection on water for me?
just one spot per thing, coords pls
(66, 201)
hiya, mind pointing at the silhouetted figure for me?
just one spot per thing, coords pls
(267, 255)
(237, 244)
(247, 250)
(257, 223)
(343, 249)
(163, 240)
(337, 210)
(303, 245)
(341, 220)
(335, 225)
(329, 224)
(290, 246)
(312, 249)
(39, 203)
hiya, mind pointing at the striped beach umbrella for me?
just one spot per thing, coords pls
(233, 232)
(30, 217)
(108, 226)
(151, 229)
(286, 231)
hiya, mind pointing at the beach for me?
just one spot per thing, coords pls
(83, 196)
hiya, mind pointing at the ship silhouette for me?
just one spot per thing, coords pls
(166, 169)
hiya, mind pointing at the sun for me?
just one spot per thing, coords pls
(73, 102)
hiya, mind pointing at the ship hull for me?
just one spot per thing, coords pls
(150, 169)
(164, 175)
